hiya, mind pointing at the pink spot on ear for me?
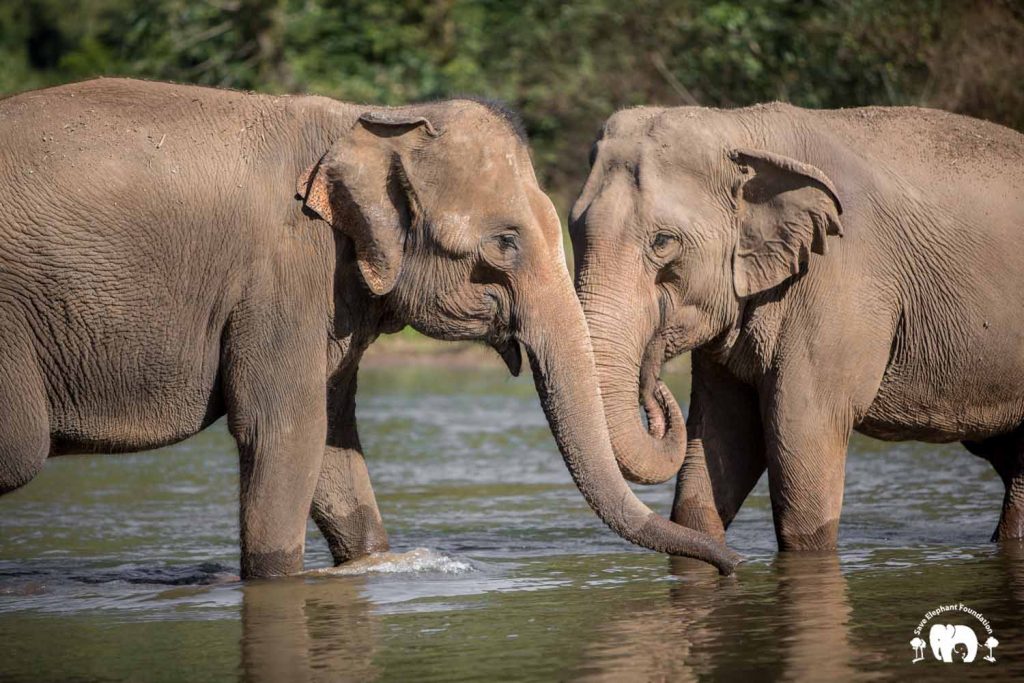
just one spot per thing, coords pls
(315, 192)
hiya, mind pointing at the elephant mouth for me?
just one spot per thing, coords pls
(501, 336)
(511, 353)
(655, 397)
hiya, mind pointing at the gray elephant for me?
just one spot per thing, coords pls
(831, 270)
(172, 254)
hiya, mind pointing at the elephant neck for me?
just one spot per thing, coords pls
(748, 345)
(355, 316)
(323, 121)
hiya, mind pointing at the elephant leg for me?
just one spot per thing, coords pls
(1011, 520)
(280, 446)
(807, 435)
(724, 452)
(24, 426)
(277, 413)
(344, 507)
(1006, 453)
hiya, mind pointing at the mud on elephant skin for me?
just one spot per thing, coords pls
(173, 254)
(830, 270)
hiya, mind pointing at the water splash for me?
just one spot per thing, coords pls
(418, 560)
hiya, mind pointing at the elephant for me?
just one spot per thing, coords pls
(173, 254)
(946, 639)
(829, 271)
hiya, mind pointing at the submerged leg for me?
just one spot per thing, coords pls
(344, 507)
(1006, 453)
(725, 454)
(274, 390)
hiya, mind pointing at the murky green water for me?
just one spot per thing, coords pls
(120, 567)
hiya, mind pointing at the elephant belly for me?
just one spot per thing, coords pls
(974, 408)
(126, 331)
(131, 377)
(113, 407)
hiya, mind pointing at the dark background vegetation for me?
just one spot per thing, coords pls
(565, 66)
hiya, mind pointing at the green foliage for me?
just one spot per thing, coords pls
(566, 66)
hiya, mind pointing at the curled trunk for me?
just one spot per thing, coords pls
(563, 368)
(627, 373)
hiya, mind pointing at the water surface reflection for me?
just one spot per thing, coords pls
(123, 567)
(304, 630)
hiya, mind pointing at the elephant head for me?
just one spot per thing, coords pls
(454, 236)
(946, 639)
(683, 220)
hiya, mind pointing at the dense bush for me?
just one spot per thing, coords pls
(566, 66)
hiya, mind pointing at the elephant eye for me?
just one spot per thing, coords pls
(501, 249)
(508, 241)
(662, 242)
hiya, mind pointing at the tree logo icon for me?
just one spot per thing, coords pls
(918, 646)
(990, 643)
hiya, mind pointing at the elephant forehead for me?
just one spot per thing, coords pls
(474, 173)
(680, 199)
(619, 153)
(485, 141)
(483, 179)
(478, 197)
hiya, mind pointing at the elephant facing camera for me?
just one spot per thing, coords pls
(953, 643)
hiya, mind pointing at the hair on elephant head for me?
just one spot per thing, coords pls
(675, 229)
(452, 232)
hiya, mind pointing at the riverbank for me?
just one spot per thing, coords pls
(410, 348)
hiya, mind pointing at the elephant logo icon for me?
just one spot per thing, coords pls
(953, 643)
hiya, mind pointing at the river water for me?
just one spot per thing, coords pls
(123, 567)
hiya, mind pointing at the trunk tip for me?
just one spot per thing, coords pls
(662, 535)
(729, 563)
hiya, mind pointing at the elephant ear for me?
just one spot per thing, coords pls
(784, 211)
(363, 187)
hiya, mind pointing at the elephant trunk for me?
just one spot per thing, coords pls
(628, 363)
(560, 354)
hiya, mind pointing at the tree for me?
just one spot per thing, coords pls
(990, 644)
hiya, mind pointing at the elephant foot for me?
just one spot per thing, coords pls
(825, 537)
(1011, 525)
(357, 534)
(262, 565)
